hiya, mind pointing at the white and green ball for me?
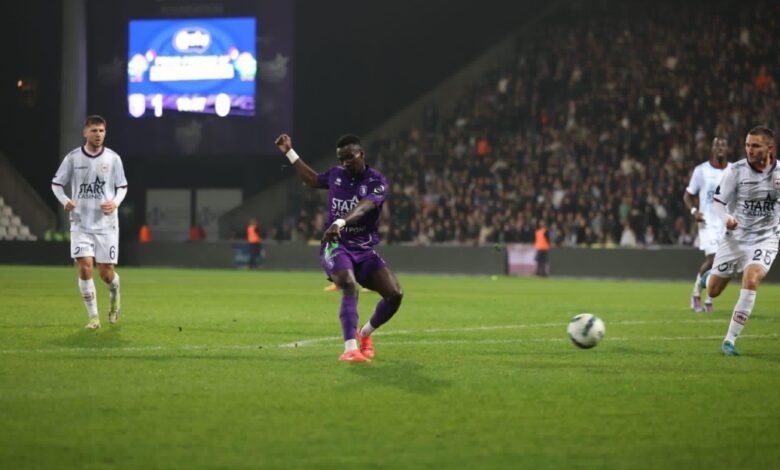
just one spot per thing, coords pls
(586, 330)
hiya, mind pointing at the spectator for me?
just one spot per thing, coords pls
(197, 233)
(255, 244)
(144, 234)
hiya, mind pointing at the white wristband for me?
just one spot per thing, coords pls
(694, 210)
(340, 222)
(292, 156)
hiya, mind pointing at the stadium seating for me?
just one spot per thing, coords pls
(594, 129)
(11, 226)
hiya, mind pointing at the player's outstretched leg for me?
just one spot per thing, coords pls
(349, 320)
(385, 283)
(742, 311)
(348, 315)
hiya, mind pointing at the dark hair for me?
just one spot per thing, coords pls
(347, 139)
(766, 132)
(94, 119)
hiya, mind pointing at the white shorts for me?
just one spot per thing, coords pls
(733, 257)
(709, 238)
(104, 247)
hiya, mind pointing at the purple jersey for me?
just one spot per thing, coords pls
(344, 193)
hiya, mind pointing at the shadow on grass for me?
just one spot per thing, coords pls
(109, 337)
(407, 376)
(766, 357)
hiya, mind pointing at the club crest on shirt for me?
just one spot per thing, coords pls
(363, 190)
(104, 167)
(777, 183)
(337, 182)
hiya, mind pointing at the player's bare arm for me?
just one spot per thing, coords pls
(692, 203)
(334, 231)
(305, 172)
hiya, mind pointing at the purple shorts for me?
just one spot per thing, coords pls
(363, 263)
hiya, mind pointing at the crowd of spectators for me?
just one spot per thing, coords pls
(594, 128)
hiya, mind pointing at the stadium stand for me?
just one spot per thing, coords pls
(594, 127)
(11, 226)
(19, 201)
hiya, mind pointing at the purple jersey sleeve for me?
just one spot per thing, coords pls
(323, 179)
(376, 190)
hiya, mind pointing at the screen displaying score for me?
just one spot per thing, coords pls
(204, 65)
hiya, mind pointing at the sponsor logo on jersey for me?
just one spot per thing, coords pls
(340, 207)
(759, 207)
(354, 229)
(92, 190)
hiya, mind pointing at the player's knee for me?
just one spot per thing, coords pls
(752, 278)
(85, 271)
(348, 286)
(751, 282)
(714, 288)
(395, 296)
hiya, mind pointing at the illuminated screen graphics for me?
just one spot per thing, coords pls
(205, 65)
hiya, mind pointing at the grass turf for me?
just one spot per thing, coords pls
(228, 369)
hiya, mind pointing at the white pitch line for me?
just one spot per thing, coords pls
(307, 342)
(325, 341)
(566, 340)
(186, 347)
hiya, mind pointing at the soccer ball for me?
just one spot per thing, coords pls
(585, 330)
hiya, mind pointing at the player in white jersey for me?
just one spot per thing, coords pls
(98, 185)
(698, 198)
(746, 202)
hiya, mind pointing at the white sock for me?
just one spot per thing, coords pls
(367, 329)
(742, 311)
(113, 291)
(87, 289)
(350, 345)
(696, 286)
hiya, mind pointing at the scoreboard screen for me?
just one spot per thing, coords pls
(195, 65)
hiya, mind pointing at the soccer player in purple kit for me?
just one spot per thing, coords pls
(356, 194)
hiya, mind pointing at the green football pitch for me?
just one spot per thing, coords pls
(237, 369)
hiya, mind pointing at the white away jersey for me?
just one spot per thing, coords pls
(751, 197)
(93, 180)
(704, 181)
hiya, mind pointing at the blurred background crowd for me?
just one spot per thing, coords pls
(592, 131)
